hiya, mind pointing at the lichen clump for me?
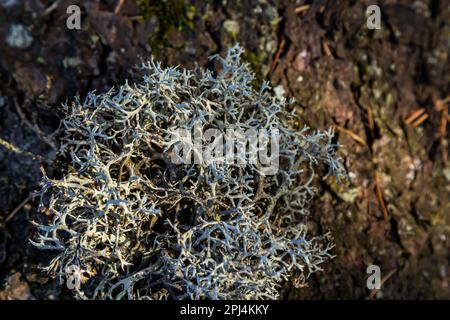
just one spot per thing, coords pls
(138, 226)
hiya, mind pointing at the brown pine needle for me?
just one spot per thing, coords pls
(413, 116)
(278, 54)
(443, 125)
(352, 135)
(119, 6)
(301, 9)
(134, 18)
(17, 209)
(370, 119)
(380, 195)
(419, 121)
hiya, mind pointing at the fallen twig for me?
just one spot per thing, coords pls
(277, 55)
(414, 115)
(420, 120)
(119, 6)
(440, 106)
(370, 119)
(380, 195)
(34, 127)
(383, 280)
(16, 149)
(51, 8)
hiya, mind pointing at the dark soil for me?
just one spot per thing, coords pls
(365, 83)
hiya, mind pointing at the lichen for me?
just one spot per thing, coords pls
(139, 226)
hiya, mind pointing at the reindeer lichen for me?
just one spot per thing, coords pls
(139, 226)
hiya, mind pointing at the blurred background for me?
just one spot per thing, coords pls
(385, 91)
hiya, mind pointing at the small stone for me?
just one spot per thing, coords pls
(271, 46)
(40, 60)
(257, 10)
(231, 26)
(19, 37)
(447, 174)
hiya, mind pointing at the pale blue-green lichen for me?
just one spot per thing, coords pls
(138, 226)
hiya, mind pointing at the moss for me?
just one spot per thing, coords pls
(171, 14)
(255, 64)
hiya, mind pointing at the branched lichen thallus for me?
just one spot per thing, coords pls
(132, 223)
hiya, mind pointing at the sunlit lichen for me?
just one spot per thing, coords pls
(138, 226)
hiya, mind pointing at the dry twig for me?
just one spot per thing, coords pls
(352, 135)
(383, 280)
(277, 55)
(380, 195)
